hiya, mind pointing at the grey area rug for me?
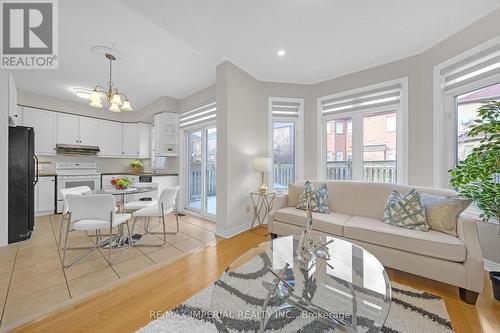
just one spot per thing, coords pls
(411, 310)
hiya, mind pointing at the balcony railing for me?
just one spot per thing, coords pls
(195, 182)
(375, 171)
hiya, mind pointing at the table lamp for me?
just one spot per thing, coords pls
(263, 165)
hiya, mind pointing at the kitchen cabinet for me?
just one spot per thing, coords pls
(87, 131)
(45, 196)
(131, 140)
(144, 140)
(110, 138)
(76, 130)
(166, 136)
(67, 129)
(44, 124)
(165, 181)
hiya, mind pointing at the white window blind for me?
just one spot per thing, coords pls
(385, 96)
(286, 109)
(199, 115)
(473, 68)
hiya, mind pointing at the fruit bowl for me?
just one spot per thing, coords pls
(120, 183)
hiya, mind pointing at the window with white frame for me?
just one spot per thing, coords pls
(461, 85)
(286, 116)
(370, 133)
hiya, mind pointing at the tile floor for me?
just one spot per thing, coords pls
(32, 279)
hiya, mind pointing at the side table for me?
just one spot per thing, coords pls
(262, 205)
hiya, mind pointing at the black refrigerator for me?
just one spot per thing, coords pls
(22, 180)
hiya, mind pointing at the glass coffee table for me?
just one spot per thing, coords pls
(348, 290)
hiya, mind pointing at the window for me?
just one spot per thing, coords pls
(460, 85)
(390, 123)
(286, 126)
(339, 127)
(466, 111)
(371, 147)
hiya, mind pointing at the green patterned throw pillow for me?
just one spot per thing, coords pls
(319, 198)
(405, 211)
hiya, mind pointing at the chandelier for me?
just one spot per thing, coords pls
(117, 100)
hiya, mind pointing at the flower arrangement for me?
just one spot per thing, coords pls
(136, 165)
(120, 183)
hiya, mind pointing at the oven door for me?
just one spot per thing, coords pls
(94, 182)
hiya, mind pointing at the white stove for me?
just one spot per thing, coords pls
(73, 174)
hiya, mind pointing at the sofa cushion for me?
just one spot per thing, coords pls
(432, 243)
(330, 224)
(442, 212)
(315, 197)
(294, 192)
(405, 211)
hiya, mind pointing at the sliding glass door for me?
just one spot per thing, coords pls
(201, 170)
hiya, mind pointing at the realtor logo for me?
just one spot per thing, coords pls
(29, 34)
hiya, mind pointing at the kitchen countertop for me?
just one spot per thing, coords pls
(141, 173)
(46, 174)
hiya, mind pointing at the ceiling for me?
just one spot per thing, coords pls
(173, 47)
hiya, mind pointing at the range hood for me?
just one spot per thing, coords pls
(76, 150)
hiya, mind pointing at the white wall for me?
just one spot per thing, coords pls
(242, 135)
(4, 157)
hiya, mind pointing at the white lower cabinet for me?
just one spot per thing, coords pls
(45, 196)
(165, 181)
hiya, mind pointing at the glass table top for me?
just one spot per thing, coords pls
(130, 190)
(349, 289)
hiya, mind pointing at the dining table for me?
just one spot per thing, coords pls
(122, 239)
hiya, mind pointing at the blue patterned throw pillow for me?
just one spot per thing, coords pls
(405, 211)
(319, 198)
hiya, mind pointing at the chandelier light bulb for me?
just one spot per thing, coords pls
(126, 106)
(96, 103)
(95, 96)
(116, 99)
(114, 108)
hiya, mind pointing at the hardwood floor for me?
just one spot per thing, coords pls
(127, 307)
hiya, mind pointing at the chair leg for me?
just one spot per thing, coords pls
(60, 230)
(133, 226)
(110, 245)
(65, 247)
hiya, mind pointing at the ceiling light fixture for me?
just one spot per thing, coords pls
(82, 92)
(114, 97)
(281, 53)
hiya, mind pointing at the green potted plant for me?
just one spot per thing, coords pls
(136, 165)
(478, 176)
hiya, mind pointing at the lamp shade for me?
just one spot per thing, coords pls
(263, 164)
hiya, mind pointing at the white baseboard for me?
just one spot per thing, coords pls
(491, 265)
(234, 231)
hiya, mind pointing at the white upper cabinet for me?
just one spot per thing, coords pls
(76, 130)
(67, 129)
(87, 131)
(166, 135)
(130, 140)
(44, 123)
(144, 140)
(110, 138)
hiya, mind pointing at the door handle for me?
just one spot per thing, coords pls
(36, 168)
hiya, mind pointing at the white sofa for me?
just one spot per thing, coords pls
(356, 209)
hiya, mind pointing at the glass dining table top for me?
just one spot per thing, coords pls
(348, 289)
(130, 190)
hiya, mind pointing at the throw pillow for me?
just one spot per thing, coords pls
(319, 198)
(405, 211)
(442, 212)
(294, 192)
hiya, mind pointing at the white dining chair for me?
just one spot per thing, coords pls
(167, 203)
(65, 208)
(138, 204)
(93, 213)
